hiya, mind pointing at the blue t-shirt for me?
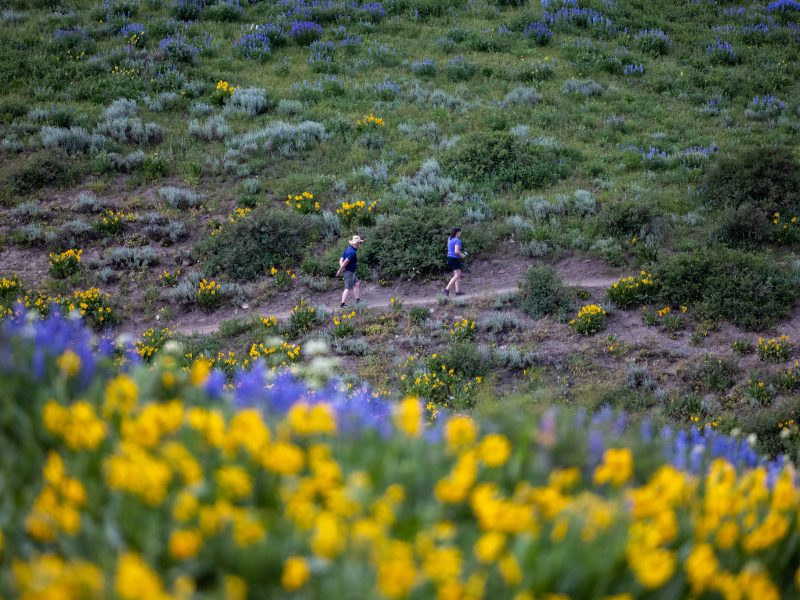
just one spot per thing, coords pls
(351, 254)
(452, 244)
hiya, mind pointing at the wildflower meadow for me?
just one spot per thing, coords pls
(604, 405)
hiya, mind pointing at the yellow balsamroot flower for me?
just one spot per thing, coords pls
(329, 537)
(133, 470)
(396, 569)
(295, 573)
(200, 371)
(136, 580)
(652, 567)
(494, 450)
(307, 420)
(509, 570)
(489, 546)
(370, 120)
(185, 506)
(460, 433)
(185, 543)
(701, 568)
(282, 458)
(247, 430)
(79, 426)
(50, 576)
(121, 395)
(234, 482)
(69, 363)
(235, 588)
(442, 564)
(183, 462)
(616, 468)
(247, 530)
(408, 417)
(456, 487)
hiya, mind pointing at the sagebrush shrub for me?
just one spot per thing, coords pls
(285, 138)
(215, 128)
(179, 197)
(522, 96)
(427, 186)
(247, 248)
(251, 101)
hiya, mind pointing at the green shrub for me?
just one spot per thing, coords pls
(247, 248)
(501, 161)
(767, 178)
(751, 291)
(410, 244)
(542, 293)
(625, 219)
(711, 374)
(745, 226)
(466, 359)
(41, 170)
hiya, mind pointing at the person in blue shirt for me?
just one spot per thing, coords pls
(347, 265)
(454, 256)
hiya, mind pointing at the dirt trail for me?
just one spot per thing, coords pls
(491, 278)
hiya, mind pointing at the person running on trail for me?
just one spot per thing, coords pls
(454, 256)
(347, 265)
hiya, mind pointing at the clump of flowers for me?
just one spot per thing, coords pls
(538, 33)
(276, 354)
(369, 121)
(632, 290)
(633, 70)
(774, 349)
(64, 264)
(343, 325)
(152, 341)
(763, 108)
(305, 32)
(302, 318)
(462, 329)
(93, 306)
(590, 319)
(303, 203)
(789, 379)
(238, 214)
(432, 379)
(208, 294)
(396, 303)
(671, 322)
(357, 213)
(722, 53)
(269, 322)
(222, 93)
(787, 229)
(167, 279)
(10, 289)
(742, 346)
(759, 392)
(283, 278)
(653, 41)
(111, 222)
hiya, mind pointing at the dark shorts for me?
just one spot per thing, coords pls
(454, 263)
(350, 280)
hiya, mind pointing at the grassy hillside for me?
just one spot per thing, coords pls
(172, 142)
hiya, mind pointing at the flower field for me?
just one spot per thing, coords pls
(608, 411)
(136, 481)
